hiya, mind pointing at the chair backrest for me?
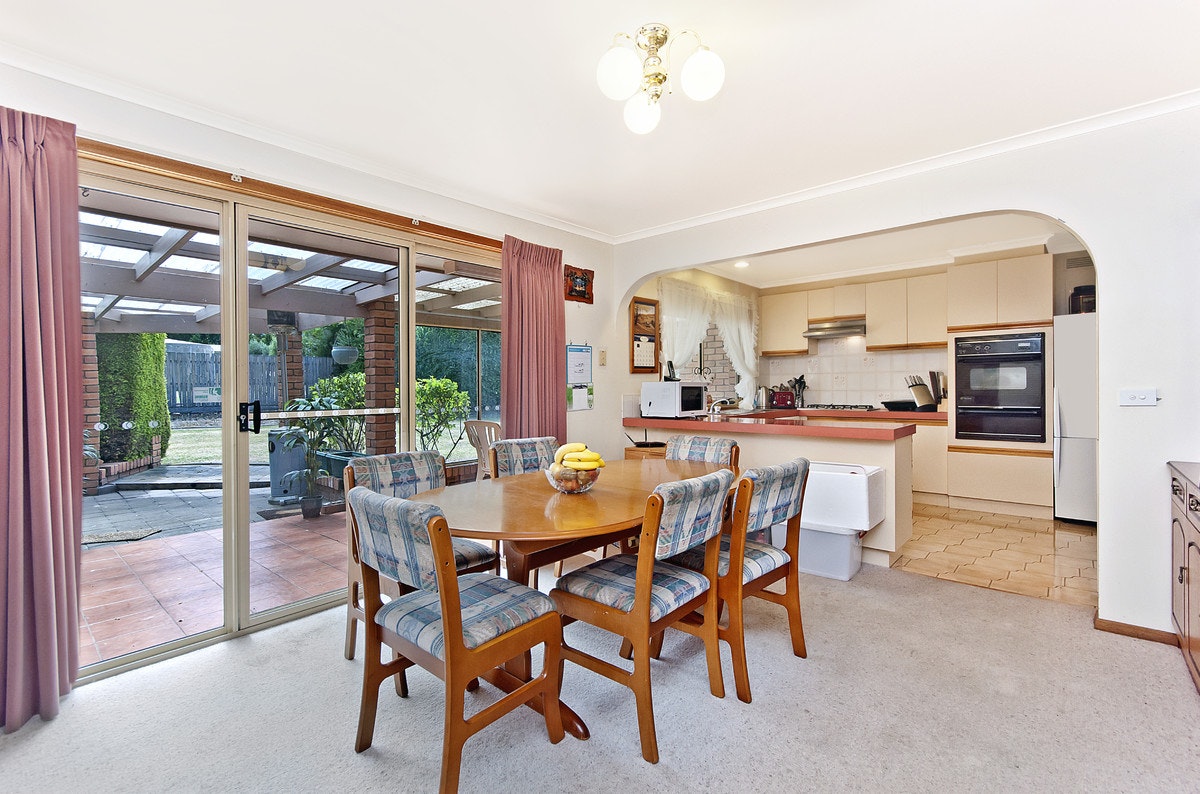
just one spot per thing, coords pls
(520, 455)
(400, 474)
(778, 493)
(692, 511)
(705, 449)
(481, 434)
(393, 536)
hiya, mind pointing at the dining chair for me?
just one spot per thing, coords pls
(401, 474)
(458, 627)
(764, 497)
(703, 448)
(638, 597)
(511, 456)
(481, 434)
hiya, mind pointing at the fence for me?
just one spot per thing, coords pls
(194, 380)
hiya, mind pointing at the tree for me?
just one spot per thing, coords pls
(441, 410)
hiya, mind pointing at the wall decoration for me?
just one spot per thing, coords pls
(643, 336)
(577, 284)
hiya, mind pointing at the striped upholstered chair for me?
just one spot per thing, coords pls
(637, 597)
(459, 627)
(765, 497)
(401, 474)
(705, 449)
(511, 456)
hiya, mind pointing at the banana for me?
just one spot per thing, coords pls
(583, 465)
(584, 455)
(561, 452)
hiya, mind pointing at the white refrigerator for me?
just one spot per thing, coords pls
(1076, 416)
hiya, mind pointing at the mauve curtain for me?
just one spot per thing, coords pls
(533, 342)
(42, 429)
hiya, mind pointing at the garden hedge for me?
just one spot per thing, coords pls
(133, 388)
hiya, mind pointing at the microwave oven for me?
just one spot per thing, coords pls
(674, 399)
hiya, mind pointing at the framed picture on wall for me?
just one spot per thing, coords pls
(577, 284)
(643, 336)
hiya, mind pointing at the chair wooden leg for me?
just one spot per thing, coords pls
(736, 635)
(401, 679)
(352, 599)
(553, 662)
(656, 643)
(369, 702)
(640, 683)
(712, 652)
(791, 603)
(456, 734)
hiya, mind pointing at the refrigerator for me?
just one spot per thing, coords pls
(1076, 416)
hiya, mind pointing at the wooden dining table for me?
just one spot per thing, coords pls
(537, 525)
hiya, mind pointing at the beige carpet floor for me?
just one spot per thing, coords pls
(912, 684)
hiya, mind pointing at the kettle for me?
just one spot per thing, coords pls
(763, 398)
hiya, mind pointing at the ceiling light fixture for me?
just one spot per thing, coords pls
(743, 263)
(641, 79)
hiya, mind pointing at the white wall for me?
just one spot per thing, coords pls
(1131, 193)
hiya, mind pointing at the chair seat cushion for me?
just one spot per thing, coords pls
(761, 559)
(491, 606)
(611, 581)
(469, 554)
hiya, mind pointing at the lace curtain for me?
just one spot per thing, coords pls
(686, 312)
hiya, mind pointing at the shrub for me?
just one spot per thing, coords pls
(441, 410)
(348, 390)
(133, 388)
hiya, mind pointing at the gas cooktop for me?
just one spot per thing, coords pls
(839, 407)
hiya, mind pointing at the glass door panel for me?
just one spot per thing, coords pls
(153, 550)
(321, 352)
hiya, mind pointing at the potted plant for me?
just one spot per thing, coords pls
(314, 435)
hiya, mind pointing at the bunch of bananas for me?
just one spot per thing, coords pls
(575, 468)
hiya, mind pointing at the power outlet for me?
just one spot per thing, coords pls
(1138, 397)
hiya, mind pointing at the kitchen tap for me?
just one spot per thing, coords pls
(715, 408)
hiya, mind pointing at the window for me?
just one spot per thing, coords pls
(458, 378)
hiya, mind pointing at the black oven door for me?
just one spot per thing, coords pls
(1000, 388)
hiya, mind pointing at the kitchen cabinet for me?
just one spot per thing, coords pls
(906, 312)
(887, 314)
(844, 300)
(927, 310)
(1185, 556)
(782, 321)
(1000, 293)
(930, 468)
(820, 304)
(1024, 478)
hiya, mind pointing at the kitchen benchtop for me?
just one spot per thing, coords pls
(787, 422)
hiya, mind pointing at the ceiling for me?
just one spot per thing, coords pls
(496, 104)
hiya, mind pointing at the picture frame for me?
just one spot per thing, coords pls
(577, 284)
(644, 336)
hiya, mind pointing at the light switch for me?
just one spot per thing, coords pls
(1138, 397)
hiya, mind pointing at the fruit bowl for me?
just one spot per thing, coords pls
(568, 480)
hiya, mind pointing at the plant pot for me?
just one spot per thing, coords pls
(310, 506)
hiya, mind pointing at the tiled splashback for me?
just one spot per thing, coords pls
(844, 371)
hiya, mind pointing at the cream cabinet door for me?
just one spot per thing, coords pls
(930, 467)
(971, 294)
(926, 310)
(850, 300)
(782, 321)
(820, 304)
(1025, 290)
(887, 314)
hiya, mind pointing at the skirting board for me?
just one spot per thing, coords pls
(1137, 632)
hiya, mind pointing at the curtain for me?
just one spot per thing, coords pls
(533, 342)
(736, 318)
(42, 429)
(686, 309)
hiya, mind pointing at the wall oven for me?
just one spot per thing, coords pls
(1000, 387)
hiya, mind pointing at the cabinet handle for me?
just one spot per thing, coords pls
(1176, 487)
(1193, 504)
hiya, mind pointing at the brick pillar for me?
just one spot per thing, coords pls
(289, 372)
(379, 364)
(91, 402)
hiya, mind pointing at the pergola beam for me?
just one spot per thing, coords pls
(162, 250)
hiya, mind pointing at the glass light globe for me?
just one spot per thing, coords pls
(702, 75)
(641, 115)
(619, 73)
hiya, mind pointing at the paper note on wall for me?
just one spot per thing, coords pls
(579, 398)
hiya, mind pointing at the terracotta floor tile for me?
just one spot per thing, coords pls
(152, 619)
(204, 621)
(138, 640)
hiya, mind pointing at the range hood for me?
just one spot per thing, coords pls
(855, 326)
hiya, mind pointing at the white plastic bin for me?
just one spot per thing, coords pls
(831, 552)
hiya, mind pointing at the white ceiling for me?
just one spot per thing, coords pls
(496, 103)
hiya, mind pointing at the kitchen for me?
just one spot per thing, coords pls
(936, 309)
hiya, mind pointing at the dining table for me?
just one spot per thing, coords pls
(537, 525)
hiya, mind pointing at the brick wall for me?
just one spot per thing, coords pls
(721, 377)
(379, 362)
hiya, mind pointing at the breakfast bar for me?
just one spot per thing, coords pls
(774, 436)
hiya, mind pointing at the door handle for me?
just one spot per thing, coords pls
(248, 423)
(1181, 572)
